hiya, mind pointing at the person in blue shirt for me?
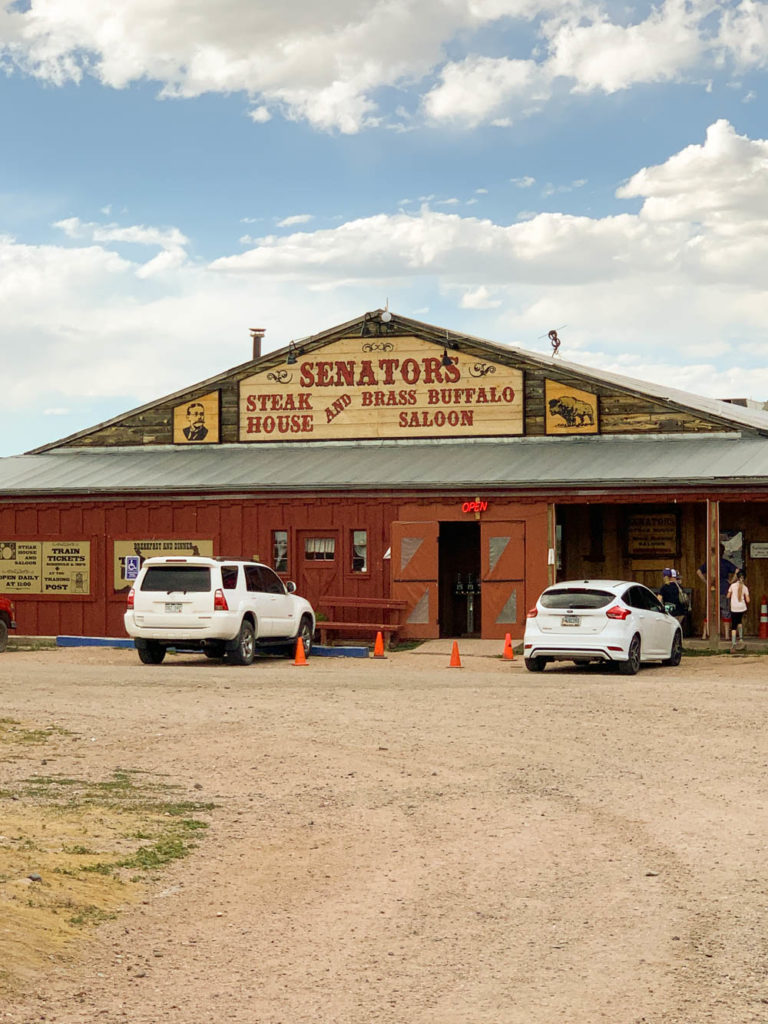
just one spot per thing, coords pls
(727, 570)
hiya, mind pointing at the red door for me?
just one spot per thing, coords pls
(503, 578)
(414, 563)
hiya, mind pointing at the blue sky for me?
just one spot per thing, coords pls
(176, 172)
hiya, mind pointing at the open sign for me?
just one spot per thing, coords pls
(474, 506)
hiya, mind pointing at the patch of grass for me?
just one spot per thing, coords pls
(12, 731)
(90, 916)
(93, 842)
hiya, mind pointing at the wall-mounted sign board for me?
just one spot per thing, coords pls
(129, 555)
(652, 535)
(197, 421)
(45, 567)
(383, 387)
(569, 410)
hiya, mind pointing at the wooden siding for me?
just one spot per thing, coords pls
(621, 411)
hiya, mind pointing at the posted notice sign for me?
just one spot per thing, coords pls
(45, 567)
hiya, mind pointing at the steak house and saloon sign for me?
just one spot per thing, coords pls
(383, 387)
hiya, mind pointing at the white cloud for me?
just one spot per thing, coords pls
(525, 182)
(479, 298)
(297, 218)
(680, 282)
(478, 89)
(327, 63)
(165, 238)
(603, 55)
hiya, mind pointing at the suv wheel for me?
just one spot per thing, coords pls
(305, 634)
(152, 654)
(3, 634)
(245, 650)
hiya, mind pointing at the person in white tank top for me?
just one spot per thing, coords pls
(738, 601)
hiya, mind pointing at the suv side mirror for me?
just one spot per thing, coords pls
(290, 586)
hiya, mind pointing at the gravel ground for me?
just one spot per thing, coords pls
(401, 842)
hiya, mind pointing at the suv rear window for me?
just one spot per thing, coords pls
(576, 597)
(188, 579)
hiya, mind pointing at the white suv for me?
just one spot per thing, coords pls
(221, 606)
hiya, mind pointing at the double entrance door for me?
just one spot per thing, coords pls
(460, 578)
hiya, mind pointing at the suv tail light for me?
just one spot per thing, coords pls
(220, 602)
(131, 597)
(532, 613)
(617, 612)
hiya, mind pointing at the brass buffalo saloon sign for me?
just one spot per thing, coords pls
(393, 387)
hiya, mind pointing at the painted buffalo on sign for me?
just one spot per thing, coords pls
(570, 410)
(573, 411)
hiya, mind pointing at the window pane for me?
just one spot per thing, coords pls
(576, 597)
(252, 578)
(359, 551)
(320, 549)
(270, 583)
(191, 579)
(229, 577)
(280, 550)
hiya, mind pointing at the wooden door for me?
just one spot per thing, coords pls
(502, 566)
(414, 567)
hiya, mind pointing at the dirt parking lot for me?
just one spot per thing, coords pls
(397, 841)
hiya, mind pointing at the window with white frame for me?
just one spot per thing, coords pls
(280, 550)
(359, 551)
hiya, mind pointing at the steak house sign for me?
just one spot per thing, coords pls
(384, 387)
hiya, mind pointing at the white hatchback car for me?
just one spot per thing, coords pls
(601, 620)
(221, 606)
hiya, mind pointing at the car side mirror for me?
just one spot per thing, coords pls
(290, 586)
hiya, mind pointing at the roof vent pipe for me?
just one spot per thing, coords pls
(257, 333)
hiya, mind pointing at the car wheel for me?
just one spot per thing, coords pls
(535, 664)
(676, 651)
(245, 650)
(305, 634)
(3, 634)
(631, 666)
(152, 654)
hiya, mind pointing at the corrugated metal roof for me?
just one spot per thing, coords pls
(511, 463)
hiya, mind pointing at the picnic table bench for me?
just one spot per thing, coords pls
(389, 614)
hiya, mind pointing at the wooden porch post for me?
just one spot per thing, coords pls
(713, 573)
(551, 546)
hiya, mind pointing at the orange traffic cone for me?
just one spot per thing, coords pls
(301, 658)
(378, 647)
(455, 659)
(763, 634)
(509, 654)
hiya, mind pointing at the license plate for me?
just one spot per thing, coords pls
(173, 606)
(570, 620)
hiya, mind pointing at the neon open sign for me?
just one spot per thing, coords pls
(474, 506)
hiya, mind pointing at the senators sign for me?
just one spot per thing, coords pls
(394, 387)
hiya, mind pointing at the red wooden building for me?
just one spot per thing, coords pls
(390, 458)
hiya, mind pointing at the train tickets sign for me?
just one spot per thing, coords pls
(383, 387)
(45, 567)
